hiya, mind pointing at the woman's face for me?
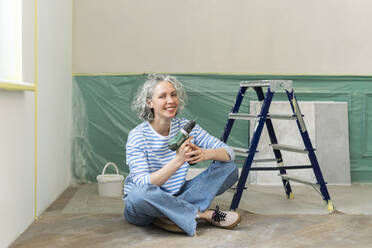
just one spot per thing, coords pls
(164, 101)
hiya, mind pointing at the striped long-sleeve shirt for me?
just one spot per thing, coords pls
(147, 151)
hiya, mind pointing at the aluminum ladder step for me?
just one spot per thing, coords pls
(290, 148)
(237, 116)
(258, 160)
(240, 151)
(272, 168)
(292, 167)
(298, 179)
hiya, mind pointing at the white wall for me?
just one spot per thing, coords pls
(54, 117)
(16, 164)
(54, 109)
(237, 36)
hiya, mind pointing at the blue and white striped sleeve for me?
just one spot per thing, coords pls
(136, 159)
(204, 140)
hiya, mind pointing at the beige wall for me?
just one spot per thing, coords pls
(236, 36)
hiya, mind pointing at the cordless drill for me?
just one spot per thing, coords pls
(181, 136)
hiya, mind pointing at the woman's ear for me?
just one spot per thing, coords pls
(149, 103)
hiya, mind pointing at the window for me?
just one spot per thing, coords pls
(11, 41)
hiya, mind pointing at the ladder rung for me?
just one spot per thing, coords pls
(258, 160)
(242, 116)
(240, 151)
(251, 116)
(282, 167)
(297, 179)
(263, 160)
(289, 148)
(282, 117)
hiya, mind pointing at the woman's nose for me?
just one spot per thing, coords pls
(170, 99)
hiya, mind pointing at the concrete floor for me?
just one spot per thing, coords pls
(81, 218)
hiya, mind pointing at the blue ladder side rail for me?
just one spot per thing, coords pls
(305, 137)
(235, 109)
(252, 149)
(273, 140)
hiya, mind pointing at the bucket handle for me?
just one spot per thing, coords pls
(110, 163)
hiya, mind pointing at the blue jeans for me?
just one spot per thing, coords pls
(145, 203)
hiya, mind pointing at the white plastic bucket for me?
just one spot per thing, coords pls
(110, 184)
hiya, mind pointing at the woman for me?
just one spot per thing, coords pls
(156, 190)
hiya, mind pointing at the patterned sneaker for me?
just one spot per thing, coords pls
(167, 224)
(225, 219)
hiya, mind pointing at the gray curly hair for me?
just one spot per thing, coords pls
(146, 91)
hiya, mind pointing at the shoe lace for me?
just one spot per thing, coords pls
(218, 215)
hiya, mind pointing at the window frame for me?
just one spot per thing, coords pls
(21, 85)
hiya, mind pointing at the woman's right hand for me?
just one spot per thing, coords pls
(184, 148)
(160, 176)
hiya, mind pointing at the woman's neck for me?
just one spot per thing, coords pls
(161, 126)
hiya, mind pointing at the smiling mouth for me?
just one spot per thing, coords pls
(170, 108)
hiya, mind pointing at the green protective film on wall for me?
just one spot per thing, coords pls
(102, 114)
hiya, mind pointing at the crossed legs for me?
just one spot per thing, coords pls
(145, 203)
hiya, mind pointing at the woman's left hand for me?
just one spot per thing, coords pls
(197, 154)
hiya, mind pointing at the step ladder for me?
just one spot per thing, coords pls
(265, 118)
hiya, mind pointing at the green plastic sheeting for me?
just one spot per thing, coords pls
(102, 115)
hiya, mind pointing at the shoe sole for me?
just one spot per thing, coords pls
(167, 226)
